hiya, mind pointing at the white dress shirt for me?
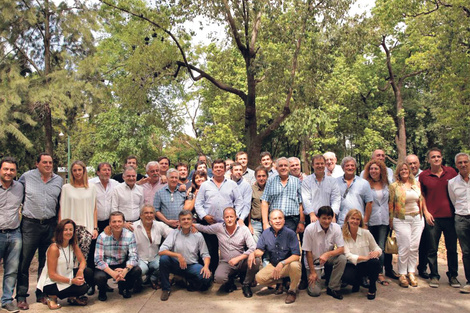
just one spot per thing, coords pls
(103, 197)
(459, 193)
(363, 244)
(128, 201)
(146, 250)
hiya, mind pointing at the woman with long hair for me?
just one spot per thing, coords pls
(375, 173)
(406, 218)
(362, 253)
(59, 279)
(78, 203)
(198, 178)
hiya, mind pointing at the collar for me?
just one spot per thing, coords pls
(279, 232)
(259, 187)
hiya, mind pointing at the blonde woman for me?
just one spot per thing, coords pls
(78, 203)
(362, 253)
(406, 218)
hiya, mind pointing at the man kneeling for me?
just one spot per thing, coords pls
(235, 245)
(179, 255)
(284, 255)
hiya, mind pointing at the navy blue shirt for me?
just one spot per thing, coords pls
(280, 247)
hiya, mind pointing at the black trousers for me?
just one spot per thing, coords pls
(101, 277)
(73, 290)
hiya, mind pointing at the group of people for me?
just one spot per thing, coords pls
(272, 226)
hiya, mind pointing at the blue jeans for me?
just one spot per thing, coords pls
(151, 268)
(257, 229)
(462, 227)
(192, 273)
(10, 251)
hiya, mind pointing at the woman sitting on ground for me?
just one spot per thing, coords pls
(362, 253)
(59, 279)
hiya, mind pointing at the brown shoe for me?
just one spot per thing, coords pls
(291, 296)
(279, 289)
(23, 305)
(403, 281)
(412, 279)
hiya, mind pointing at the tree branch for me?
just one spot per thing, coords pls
(254, 34)
(233, 28)
(141, 16)
(402, 79)
(28, 59)
(389, 64)
(214, 81)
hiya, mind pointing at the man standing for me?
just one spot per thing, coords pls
(183, 175)
(284, 255)
(153, 182)
(164, 163)
(439, 216)
(148, 236)
(11, 195)
(413, 161)
(459, 193)
(355, 191)
(169, 201)
(332, 169)
(319, 241)
(256, 222)
(116, 257)
(128, 198)
(266, 160)
(294, 168)
(132, 162)
(179, 254)
(235, 245)
(202, 158)
(319, 190)
(283, 192)
(41, 204)
(248, 174)
(244, 188)
(213, 197)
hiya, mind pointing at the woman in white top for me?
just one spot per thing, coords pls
(362, 253)
(58, 278)
(78, 203)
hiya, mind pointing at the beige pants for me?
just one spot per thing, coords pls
(291, 270)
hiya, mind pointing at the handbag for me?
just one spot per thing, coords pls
(391, 246)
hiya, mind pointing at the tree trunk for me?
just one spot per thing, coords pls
(252, 139)
(400, 139)
(49, 148)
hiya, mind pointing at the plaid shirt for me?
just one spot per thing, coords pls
(169, 203)
(110, 251)
(287, 199)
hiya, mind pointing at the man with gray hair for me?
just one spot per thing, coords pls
(153, 182)
(283, 191)
(169, 200)
(413, 161)
(459, 193)
(355, 191)
(295, 169)
(128, 198)
(332, 169)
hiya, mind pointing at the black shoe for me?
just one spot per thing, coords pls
(371, 295)
(109, 289)
(91, 291)
(232, 286)
(424, 275)
(392, 274)
(247, 291)
(334, 293)
(303, 285)
(355, 288)
(102, 296)
(126, 293)
(165, 295)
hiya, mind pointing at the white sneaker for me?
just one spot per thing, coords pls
(465, 289)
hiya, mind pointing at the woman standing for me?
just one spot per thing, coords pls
(406, 210)
(362, 253)
(59, 279)
(375, 173)
(78, 203)
(198, 178)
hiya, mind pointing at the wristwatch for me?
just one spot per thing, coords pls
(283, 262)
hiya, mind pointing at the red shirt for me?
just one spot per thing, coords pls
(434, 190)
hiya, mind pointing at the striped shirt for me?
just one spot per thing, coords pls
(110, 251)
(285, 198)
(169, 203)
(41, 199)
(316, 194)
(230, 246)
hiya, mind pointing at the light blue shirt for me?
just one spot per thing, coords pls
(246, 193)
(169, 203)
(41, 199)
(189, 245)
(316, 194)
(211, 200)
(356, 196)
(380, 212)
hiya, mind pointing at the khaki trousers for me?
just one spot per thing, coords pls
(291, 270)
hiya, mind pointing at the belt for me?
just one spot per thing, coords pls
(464, 216)
(256, 219)
(42, 222)
(5, 231)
